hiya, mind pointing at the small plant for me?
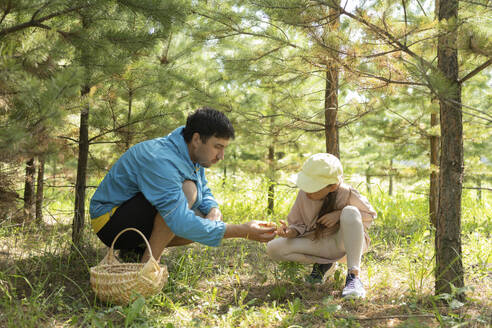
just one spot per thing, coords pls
(290, 271)
(327, 310)
(133, 311)
(279, 292)
(338, 279)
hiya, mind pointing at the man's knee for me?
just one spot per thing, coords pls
(190, 191)
(350, 215)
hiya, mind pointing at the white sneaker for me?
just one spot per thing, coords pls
(353, 287)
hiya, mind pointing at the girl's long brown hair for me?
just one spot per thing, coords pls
(327, 207)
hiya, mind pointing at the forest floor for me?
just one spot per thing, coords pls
(235, 285)
(45, 283)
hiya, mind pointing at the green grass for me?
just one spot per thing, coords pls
(43, 283)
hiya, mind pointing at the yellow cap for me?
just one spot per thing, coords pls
(319, 171)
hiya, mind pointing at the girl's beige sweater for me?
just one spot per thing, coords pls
(304, 213)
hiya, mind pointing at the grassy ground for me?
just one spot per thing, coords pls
(45, 284)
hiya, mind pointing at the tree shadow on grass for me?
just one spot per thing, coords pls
(46, 273)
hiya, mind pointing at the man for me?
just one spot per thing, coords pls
(158, 187)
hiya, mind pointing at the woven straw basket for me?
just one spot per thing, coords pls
(117, 282)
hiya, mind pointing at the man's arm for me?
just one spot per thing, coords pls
(208, 200)
(214, 214)
(250, 230)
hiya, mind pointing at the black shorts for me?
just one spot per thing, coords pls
(136, 213)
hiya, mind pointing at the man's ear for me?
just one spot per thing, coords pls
(195, 139)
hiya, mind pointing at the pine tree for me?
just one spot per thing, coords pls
(449, 260)
(442, 82)
(96, 35)
(32, 83)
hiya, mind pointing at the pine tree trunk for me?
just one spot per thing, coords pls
(271, 180)
(29, 190)
(449, 265)
(331, 94)
(479, 190)
(234, 155)
(80, 185)
(54, 171)
(224, 178)
(128, 139)
(40, 190)
(434, 176)
(390, 188)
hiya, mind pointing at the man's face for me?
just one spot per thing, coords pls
(208, 153)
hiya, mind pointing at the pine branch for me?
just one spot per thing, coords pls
(322, 125)
(422, 8)
(36, 22)
(381, 78)
(485, 116)
(39, 10)
(384, 79)
(475, 71)
(477, 3)
(46, 27)
(239, 31)
(379, 54)
(422, 131)
(67, 186)
(118, 128)
(114, 129)
(384, 34)
(68, 138)
(478, 188)
(106, 142)
(353, 119)
(489, 117)
(258, 57)
(7, 11)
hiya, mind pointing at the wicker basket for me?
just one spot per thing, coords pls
(117, 282)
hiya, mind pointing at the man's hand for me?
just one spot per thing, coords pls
(215, 214)
(259, 231)
(252, 230)
(285, 231)
(330, 219)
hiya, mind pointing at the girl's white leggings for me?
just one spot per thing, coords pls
(349, 240)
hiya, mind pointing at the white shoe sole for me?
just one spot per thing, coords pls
(354, 295)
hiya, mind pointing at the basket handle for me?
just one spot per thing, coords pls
(110, 255)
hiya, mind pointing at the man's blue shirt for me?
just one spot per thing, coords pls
(157, 168)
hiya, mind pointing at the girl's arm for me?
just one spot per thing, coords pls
(295, 217)
(330, 219)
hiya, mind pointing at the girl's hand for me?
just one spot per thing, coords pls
(285, 231)
(330, 219)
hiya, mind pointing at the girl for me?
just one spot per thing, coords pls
(329, 221)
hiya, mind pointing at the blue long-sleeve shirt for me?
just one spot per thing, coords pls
(157, 168)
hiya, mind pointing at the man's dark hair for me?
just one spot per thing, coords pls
(208, 122)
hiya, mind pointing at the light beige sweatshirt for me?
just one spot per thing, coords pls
(303, 215)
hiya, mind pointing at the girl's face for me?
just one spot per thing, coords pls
(321, 194)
